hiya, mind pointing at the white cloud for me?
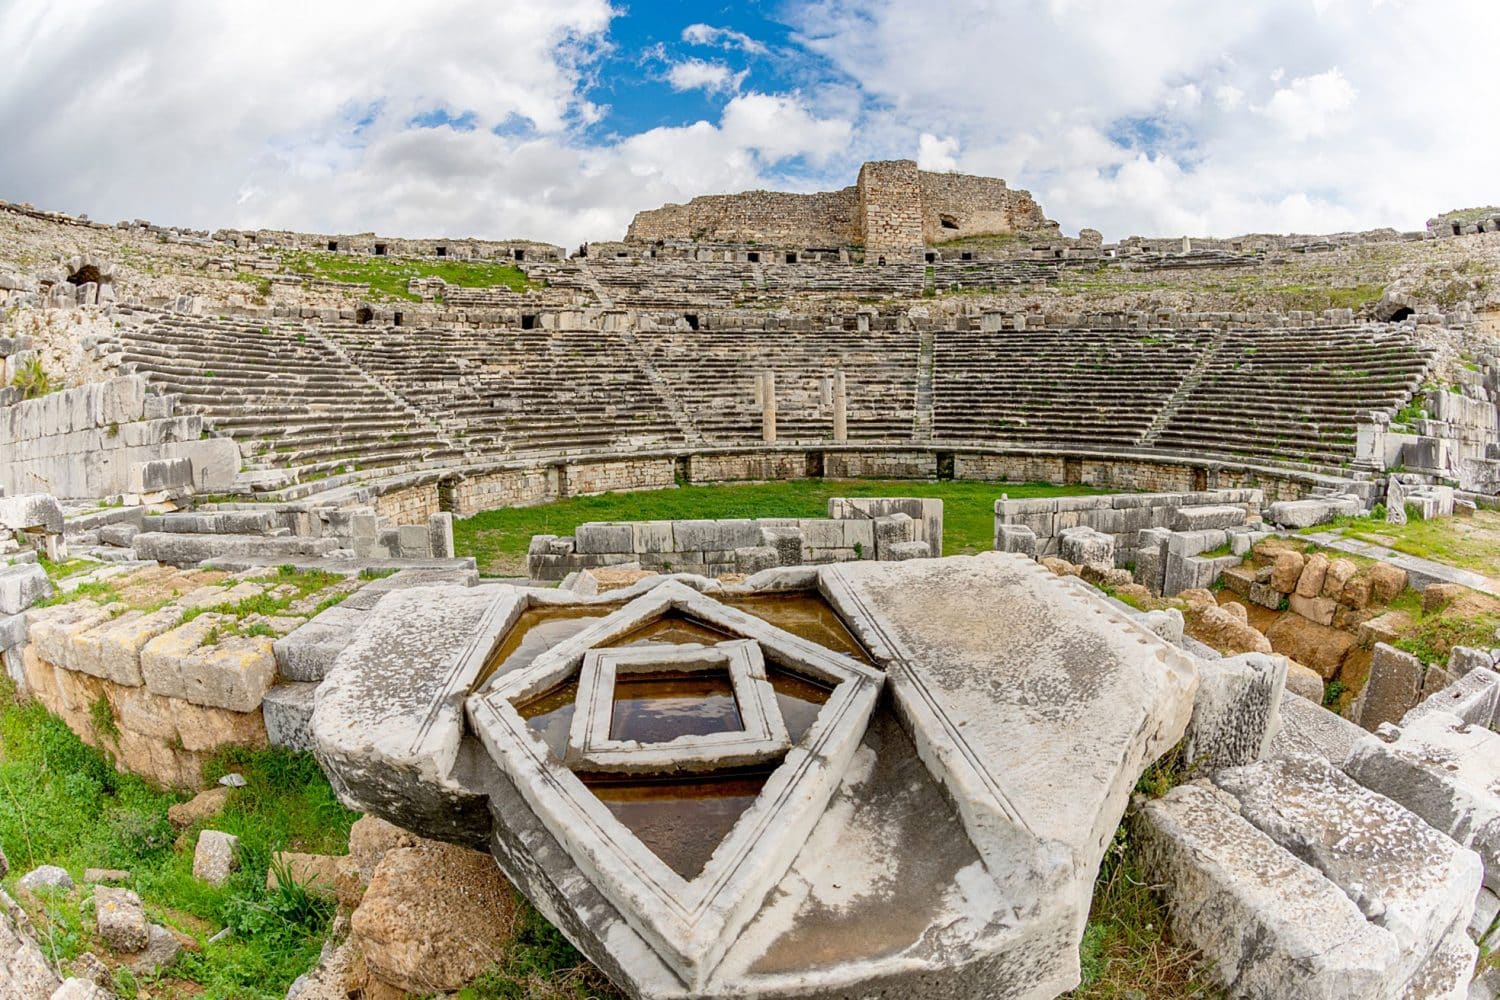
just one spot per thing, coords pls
(937, 154)
(1309, 106)
(724, 38)
(710, 76)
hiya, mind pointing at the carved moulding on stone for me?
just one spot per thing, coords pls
(690, 924)
(762, 739)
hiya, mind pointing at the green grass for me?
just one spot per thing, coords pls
(498, 539)
(62, 803)
(1471, 543)
(387, 276)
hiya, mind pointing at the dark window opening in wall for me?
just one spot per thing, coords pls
(396, 318)
(947, 222)
(966, 255)
(692, 320)
(753, 257)
(520, 254)
(380, 249)
(442, 251)
(814, 465)
(333, 246)
(947, 465)
(931, 258)
(1458, 229)
(1058, 254)
(87, 274)
(1401, 315)
(791, 258)
(528, 321)
(364, 314)
(880, 262)
(1200, 480)
(621, 254)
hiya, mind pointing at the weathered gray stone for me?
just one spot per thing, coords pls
(1461, 659)
(160, 475)
(1083, 546)
(162, 949)
(31, 512)
(1015, 538)
(1473, 697)
(440, 535)
(288, 710)
(307, 653)
(12, 631)
(1167, 623)
(216, 856)
(48, 877)
(902, 551)
(1306, 513)
(121, 919)
(119, 535)
(1392, 688)
(25, 973)
(1237, 710)
(1266, 923)
(1402, 874)
(22, 586)
(1445, 771)
(232, 672)
(1308, 728)
(1202, 518)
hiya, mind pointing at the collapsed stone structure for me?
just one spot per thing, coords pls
(892, 212)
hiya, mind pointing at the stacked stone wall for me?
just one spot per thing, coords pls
(776, 217)
(107, 439)
(614, 477)
(410, 505)
(890, 201)
(972, 205)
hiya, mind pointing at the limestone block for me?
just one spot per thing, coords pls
(1317, 646)
(112, 649)
(1306, 513)
(1226, 633)
(414, 541)
(1015, 538)
(1287, 571)
(51, 630)
(902, 551)
(121, 919)
(21, 586)
(25, 973)
(1151, 559)
(1314, 572)
(1082, 546)
(1445, 771)
(214, 859)
(288, 709)
(31, 512)
(440, 535)
(754, 559)
(1386, 582)
(1307, 727)
(1414, 881)
(1202, 518)
(119, 535)
(161, 951)
(1473, 697)
(1237, 710)
(1358, 592)
(13, 631)
(51, 878)
(1461, 659)
(1304, 681)
(1392, 688)
(651, 537)
(1239, 580)
(1384, 628)
(233, 673)
(1338, 575)
(1167, 623)
(1314, 609)
(1266, 922)
(160, 475)
(75, 988)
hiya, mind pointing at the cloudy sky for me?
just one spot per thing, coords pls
(558, 119)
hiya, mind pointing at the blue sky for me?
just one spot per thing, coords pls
(558, 119)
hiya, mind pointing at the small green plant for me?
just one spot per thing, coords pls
(102, 720)
(1332, 692)
(370, 573)
(32, 379)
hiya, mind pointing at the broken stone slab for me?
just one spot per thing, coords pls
(1082, 546)
(307, 653)
(1236, 711)
(162, 949)
(31, 512)
(1392, 688)
(1402, 874)
(121, 919)
(21, 586)
(1015, 538)
(112, 649)
(190, 550)
(288, 710)
(1266, 923)
(388, 719)
(902, 551)
(1445, 771)
(215, 857)
(1473, 697)
(47, 877)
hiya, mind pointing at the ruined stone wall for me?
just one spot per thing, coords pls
(504, 488)
(775, 217)
(391, 246)
(614, 477)
(957, 205)
(410, 505)
(890, 201)
(880, 465)
(753, 467)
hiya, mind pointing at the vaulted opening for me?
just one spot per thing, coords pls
(947, 222)
(86, 274)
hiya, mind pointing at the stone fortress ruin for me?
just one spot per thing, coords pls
(813, 756)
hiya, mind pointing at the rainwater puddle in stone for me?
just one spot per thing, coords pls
(680, 821)
(657, 707)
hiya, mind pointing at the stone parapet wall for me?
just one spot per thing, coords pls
(1122, 517)
(959, 205)
(774, 217)
(745, 546)
(891, 464)
(503, 488)
(409, 505)
(614, 477)
(109, 438)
